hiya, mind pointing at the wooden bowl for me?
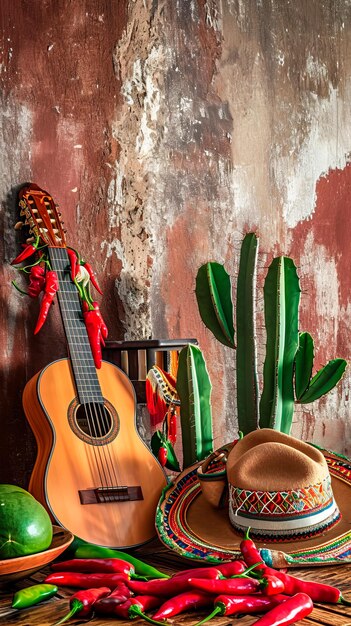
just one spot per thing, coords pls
(23, 566)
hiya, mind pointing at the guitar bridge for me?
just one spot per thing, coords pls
(104, 495)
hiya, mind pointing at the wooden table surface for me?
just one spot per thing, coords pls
(47, 613)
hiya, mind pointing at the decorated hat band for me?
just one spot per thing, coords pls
(279, 513)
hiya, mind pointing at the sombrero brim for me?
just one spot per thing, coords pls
(189, 525)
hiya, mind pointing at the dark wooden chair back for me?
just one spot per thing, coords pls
(135, 358)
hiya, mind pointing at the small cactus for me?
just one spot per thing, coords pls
(194, 390)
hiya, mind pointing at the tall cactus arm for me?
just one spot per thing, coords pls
(281, 305)
(214, 298)
(325, 379)
(303, 364)
(194, 390)
(246, 366)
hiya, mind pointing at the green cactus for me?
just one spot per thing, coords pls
(287, 372)
(303, 364)
(194, 390)
(281, 309)
(308, 388)
(246, 361)
(213, 293)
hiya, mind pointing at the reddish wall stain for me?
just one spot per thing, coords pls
(329, 228)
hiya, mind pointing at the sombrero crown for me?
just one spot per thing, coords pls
(279, 486)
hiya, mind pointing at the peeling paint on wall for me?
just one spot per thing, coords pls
(140, 61)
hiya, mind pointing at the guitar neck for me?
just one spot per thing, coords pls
(83, 367)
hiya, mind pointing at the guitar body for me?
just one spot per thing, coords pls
(100, 482)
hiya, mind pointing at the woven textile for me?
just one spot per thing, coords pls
(279, 504)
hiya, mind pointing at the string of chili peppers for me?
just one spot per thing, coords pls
(162, 441)
(82, 274)
(44, 280)
(162, 401)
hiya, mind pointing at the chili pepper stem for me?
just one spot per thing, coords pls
(26, 268)
(248, 570)
(217, 611)
(77, 605)
(135, 611)
(87, 296)
(18, 288)
(343, 601)
(80, 290)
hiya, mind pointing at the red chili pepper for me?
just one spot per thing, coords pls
(318, 592)
(112, 566)
(213, 572)
(89, 551)
(85, 581)
(251, 554)
(119, 595)
(104, 329)
(162, 588)
(82, 602)
(162, 456)
(134, 607)
(181, 603)
(92, 277)
(233, 568)
(51, 287)
(288, 612)
(36, 281)
(73, 259)
(271, 585)
(233, 586)
(28, 250)
(234, 605)
(96, 329)
(172, 426)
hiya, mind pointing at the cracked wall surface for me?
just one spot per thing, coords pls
(165, 130)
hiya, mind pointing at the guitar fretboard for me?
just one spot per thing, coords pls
(84, 372)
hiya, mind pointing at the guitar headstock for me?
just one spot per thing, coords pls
(42, 216)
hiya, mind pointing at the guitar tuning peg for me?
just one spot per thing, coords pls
(18, 225)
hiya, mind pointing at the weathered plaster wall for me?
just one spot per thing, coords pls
(165, 130)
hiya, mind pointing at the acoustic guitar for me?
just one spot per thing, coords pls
(93, 472)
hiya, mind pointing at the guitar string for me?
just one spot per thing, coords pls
(94, 417)
(90, 409)
(104, 420)
(61, 270)
(102, 426)
(100, 432)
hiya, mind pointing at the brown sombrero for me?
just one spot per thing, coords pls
(188, 523)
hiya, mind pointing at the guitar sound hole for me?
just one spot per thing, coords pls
(94, 419)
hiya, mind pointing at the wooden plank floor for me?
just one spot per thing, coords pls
(48, 612)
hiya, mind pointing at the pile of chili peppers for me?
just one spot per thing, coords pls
(243, 586)
(43, 280)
